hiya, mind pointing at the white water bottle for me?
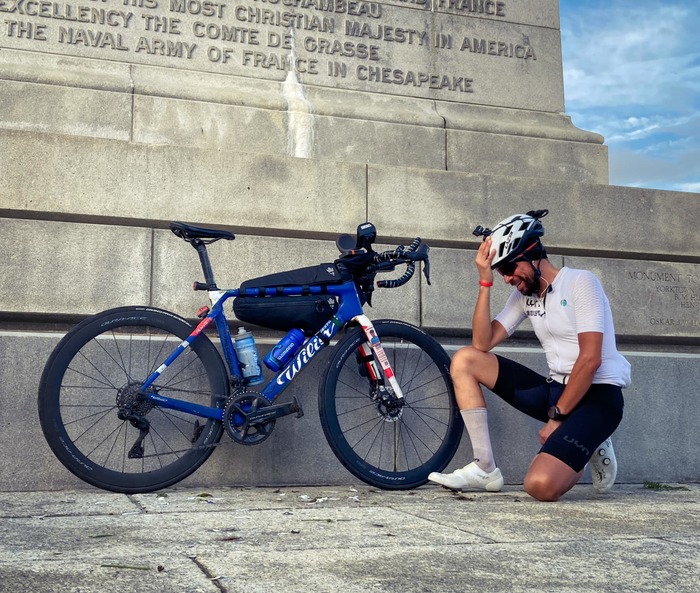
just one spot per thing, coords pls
(247, 354)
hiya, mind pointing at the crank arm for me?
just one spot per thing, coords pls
(272, 412)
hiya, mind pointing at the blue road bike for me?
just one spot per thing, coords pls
(135, 399)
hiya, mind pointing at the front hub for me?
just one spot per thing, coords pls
(389, 406)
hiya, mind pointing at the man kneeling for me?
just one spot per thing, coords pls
(580, 401)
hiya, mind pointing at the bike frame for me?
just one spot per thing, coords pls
(350, 309)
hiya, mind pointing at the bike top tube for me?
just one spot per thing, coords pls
(350, 307)
(347, 291)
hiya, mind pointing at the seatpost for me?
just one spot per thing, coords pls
(206, 264)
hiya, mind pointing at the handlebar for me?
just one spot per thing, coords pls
(364, 263)
(417, 251)
(388, 260)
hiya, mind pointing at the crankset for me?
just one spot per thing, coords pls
(249, 418)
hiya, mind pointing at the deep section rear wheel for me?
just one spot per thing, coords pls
(96, 418)
(389, 444)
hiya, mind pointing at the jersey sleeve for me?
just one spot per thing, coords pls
(589, 304)
(512, 314)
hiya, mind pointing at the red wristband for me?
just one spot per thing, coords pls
(484, 283)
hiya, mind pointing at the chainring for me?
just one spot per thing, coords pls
(236, 414)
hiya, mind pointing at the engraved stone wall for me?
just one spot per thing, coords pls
(655, 298)
(430, 84)
(445, 49)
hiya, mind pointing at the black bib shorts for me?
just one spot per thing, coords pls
(593, 420)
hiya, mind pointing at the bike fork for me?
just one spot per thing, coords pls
(376, 346)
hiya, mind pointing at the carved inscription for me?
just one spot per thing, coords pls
(408, 47)
(677, 292)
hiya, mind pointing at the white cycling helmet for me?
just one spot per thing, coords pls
(515, 235)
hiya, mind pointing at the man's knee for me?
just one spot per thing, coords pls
(472, 364)
(466, 360)
(542, 487)
(549, 478)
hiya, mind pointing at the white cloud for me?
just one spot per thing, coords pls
(691, 187)
(632, 74)
(629, 53)
(640, 128)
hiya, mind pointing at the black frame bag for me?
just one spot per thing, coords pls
(306, 312)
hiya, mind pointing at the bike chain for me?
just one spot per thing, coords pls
(220, 442)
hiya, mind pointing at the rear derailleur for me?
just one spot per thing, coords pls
(143, 426)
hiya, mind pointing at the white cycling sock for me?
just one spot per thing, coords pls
(477, 424)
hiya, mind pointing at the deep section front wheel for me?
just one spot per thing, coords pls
(389, 443)
(96, 418)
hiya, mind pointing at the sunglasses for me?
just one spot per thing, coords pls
(507, 269)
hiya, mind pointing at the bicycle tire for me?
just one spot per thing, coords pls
(98, 367)
(391, 453)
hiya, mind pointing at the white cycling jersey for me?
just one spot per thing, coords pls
(575, 303)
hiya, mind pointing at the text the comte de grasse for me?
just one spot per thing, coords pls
(370, 44)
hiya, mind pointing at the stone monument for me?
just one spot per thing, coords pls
(458, 85)
(288, 122)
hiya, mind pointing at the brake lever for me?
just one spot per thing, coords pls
(419, 254)
(419, 251)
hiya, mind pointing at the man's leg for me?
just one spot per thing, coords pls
(470, 369)
(548, 478)
(559, 464)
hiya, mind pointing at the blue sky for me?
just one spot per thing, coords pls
(632, 74)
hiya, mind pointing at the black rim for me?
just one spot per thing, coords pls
(381, 442)
(103, 429)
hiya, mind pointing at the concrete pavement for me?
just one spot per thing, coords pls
(350, 539)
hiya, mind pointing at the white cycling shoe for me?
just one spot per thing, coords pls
(603, 467)
(470, 477)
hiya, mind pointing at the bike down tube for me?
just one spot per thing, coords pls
(378, 350)
(311, 348)
(350, 307)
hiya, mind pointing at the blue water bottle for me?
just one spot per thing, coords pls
(247, 354)
(285, 349)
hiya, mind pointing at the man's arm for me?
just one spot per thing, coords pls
(581, 378)
(485, 333)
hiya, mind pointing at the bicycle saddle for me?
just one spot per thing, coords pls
(189, 232)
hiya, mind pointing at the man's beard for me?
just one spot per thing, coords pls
(532, 287)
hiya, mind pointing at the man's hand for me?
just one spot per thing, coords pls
(484, 257)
